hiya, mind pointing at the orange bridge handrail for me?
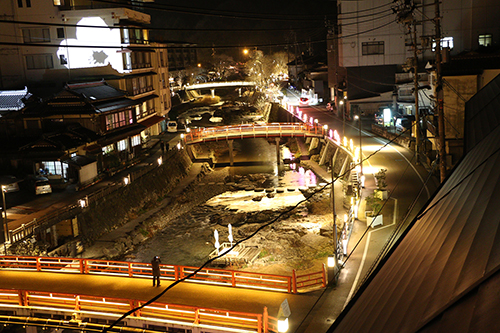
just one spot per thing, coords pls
(222, 277)
(216, 133)
(156, 311)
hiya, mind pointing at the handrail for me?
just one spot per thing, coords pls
(217, 276)
(157, 311)
(253, 131)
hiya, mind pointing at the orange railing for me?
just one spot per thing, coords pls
(250, 280)
(253, 131)
(156, 311)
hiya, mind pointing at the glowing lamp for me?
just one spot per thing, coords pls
(283, 325)
(331, 261)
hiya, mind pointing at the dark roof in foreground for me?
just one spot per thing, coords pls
(444, 274)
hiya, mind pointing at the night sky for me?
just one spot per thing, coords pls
(268, 25)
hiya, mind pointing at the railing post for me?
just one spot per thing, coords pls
(294, 281)
(23, 298)
(38, 266)
(130, 272)
(86, 266)
(82, 266)
(265, 321)
(176, 272)
(78, 305)
(324, 277)
(233, 278)
(197, 316)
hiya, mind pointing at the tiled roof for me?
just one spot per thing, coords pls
(96, 91)
(12, 99)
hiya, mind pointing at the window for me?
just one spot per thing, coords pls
(28, 3)
(121, 145)
(36, 35)
(445, 42)
(20, 3)
(60, 32)
(108, 149)
(39, 61)
(63, 60)
(485, 40)
(57, 2)
(136, 140)
(118, 119)
(370, 48)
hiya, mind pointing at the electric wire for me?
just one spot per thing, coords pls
(278, 217)
(124, 27)
(232, 15)
(365, 10)
(194, 46)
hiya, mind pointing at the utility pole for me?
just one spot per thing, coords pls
(415, 80)
(439, 97)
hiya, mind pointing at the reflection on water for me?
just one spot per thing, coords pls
(263, 152)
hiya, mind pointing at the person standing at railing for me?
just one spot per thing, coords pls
(155, 268)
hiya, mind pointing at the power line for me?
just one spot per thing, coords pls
(219, 14)
(193, 46)
(365, 10)
(153, 28)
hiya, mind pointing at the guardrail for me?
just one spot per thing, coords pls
(156, 311)
(253, 131)
(230, 278)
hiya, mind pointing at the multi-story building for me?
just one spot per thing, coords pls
(372, 55)
(58, 47)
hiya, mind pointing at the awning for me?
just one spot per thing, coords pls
(121, 134)
(151, 121)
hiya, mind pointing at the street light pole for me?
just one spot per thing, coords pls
(333, 262)
(360, 144)
(4, 216)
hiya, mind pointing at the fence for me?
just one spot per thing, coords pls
(156, 311)
(230, 278)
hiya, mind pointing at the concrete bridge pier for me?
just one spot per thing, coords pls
(231, 159)
(278, 158)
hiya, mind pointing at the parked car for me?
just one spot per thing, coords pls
(9, 183)
(40, 185)
(171, 126)
(404, 122)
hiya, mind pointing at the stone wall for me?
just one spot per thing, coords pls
(128, 202)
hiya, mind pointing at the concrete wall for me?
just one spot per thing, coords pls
(141, 194)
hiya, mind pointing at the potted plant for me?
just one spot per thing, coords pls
(374, 215)
(381, 191)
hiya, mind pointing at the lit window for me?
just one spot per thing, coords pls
(57, 2)
(370, 48)
(136, 140)
(108, 149)
(485, 40)
(445, 42)
(121, 145)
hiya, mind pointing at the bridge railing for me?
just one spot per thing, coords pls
(156, 311)
(253, 131)
(250, 280)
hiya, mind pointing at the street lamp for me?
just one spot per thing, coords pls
(358, 117)
(4, 215)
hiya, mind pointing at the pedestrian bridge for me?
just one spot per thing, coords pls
(214, 85)
(86, 293)
(244, 131)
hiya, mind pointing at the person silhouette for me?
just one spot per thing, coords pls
(155, 268)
